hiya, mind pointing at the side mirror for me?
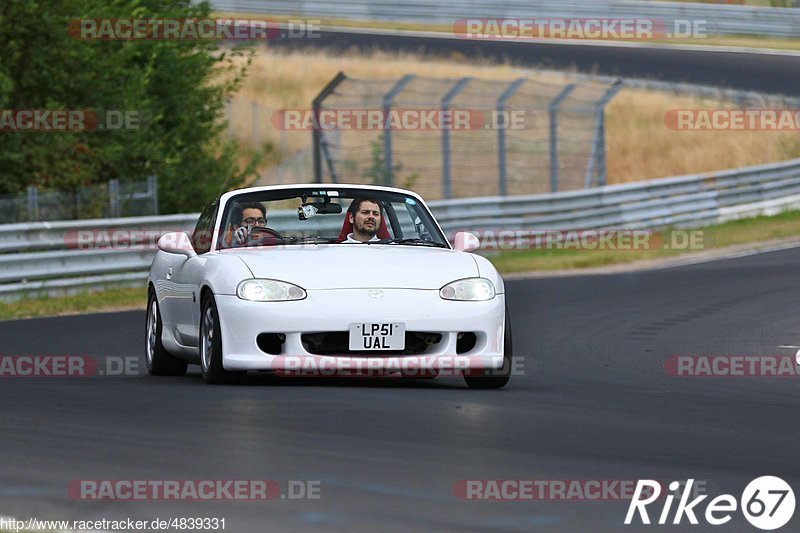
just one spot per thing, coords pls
(176, 242)
(466, 242)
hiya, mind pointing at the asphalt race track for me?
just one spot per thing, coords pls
(595, 403)
(769, 73)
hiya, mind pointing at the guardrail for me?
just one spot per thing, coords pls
(722, 19)
(683, 201)
(50, 257)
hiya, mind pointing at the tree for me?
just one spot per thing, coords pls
(176, 88)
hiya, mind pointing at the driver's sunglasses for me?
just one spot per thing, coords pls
(250, 221)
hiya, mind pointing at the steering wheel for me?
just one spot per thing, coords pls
(264, 235)
(263, 229)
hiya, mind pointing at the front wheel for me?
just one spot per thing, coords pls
(493, 378)
(211, 345)
(159, 361)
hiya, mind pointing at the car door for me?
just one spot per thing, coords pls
(186, 278)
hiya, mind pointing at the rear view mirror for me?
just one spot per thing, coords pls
(466, 242)
(307, 211)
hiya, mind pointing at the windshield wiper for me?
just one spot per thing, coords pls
(272, 240)
(308, 240)
(416, 240)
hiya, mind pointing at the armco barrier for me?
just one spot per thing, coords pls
(722, 19)
(42, 257)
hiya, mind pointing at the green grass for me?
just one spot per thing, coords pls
(750, 230)
(85, 302)
(758, 3)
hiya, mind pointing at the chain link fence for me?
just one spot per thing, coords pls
(108, 200)
(518, 137)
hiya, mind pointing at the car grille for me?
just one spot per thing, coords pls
(338, 343)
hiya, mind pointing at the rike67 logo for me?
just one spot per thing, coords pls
(767, 503)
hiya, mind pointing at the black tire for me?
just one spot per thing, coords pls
(159, 361)
(210, 346)
(491, 378)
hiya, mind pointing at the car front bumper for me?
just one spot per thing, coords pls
(242, 321)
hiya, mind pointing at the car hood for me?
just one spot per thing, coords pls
(349, 266)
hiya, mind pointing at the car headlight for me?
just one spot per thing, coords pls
(269, 290)
(470, 290)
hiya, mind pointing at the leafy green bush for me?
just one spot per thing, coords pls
(177, 88)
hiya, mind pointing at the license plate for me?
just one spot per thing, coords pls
(377, 336)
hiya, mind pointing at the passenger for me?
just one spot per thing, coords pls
(245, 217)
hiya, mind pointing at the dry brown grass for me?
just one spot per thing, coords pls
(639, 144)
(291, 80)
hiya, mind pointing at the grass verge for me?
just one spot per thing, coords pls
(85, 302)
(666, 243)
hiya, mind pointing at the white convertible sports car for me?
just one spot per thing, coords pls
(347, 277)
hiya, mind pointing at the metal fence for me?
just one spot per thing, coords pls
(519, 137)
(49, 257)
(111, 199)
(722, 19)
(525, 154)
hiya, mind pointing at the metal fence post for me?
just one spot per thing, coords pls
(78, 206)
(228, 117)
(33, 204)
(553, 112)
(447, 191)
(598, 151)
(256, 133)
(152, 190)
(501, 135)
(328, 161)
(388, 98)
(113, 198)
(316, 134)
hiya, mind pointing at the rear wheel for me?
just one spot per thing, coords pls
(211, 345)
(494, 378)
(159, 361)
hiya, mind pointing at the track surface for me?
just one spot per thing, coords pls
(745, 71)
(596, 403)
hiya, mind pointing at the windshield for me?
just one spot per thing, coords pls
(327, 216)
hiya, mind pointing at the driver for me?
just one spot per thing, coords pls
(245, 217)
(365, 216)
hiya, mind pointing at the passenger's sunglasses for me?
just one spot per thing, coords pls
(250, 221)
